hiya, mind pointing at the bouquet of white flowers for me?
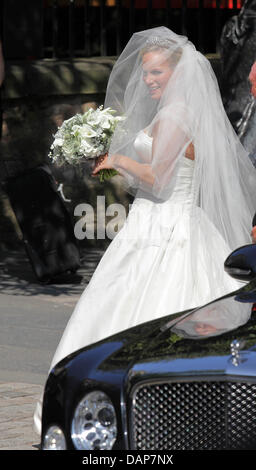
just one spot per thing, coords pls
(84, 137)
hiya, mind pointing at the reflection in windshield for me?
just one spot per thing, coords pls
(214, 319)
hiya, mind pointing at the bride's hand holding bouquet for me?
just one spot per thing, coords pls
(102, 163)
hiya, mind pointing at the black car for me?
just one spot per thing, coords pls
(182, 382)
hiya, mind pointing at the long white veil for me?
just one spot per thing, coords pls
(189, 110)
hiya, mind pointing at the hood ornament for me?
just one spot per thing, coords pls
(235, 348)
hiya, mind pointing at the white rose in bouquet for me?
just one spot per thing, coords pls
(84, 137)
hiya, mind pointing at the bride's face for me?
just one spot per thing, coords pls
(156, 73)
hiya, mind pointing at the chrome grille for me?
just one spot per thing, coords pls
(202, 415)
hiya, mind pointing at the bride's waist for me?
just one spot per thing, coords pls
(182, 196)
(179, 196)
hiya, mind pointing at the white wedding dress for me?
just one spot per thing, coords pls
(147, 271)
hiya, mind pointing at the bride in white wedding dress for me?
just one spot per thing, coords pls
(194, 191)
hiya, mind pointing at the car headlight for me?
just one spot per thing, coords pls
(94, 424)
(54, 439)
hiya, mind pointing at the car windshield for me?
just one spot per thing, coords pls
(216, 318)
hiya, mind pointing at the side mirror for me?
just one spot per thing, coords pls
(241, 263)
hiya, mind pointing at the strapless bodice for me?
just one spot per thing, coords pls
(182, 192)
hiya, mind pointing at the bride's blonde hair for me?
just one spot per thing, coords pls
(162, 45)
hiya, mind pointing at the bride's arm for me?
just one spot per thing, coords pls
(142, 171)
(166, 145)
(125, 164)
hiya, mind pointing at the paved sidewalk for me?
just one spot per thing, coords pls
(32, 315)
(17, 406)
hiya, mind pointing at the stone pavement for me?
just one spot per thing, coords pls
(20, 384)
(17, 406)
